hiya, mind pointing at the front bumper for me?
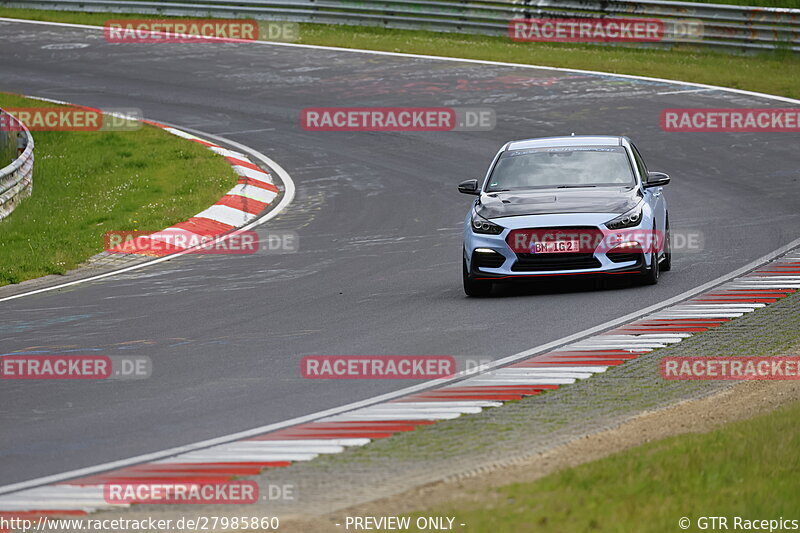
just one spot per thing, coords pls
(491, 257)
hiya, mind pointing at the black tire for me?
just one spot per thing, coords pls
(650, 275)
(666, 262)
(475, 287)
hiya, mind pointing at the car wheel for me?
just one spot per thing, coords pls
(666, 263)
(650, 275)
(474, 287)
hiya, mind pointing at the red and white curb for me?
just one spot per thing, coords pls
(254, 192)
(252, 183)
(252, 195)
(333, 434)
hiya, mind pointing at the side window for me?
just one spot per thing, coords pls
(640, 163)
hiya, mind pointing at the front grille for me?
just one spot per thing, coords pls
(589, 236)
(543, 262)
(488, 260)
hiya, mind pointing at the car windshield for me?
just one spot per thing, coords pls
(567, 167)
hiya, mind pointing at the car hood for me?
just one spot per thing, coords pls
(552, 201)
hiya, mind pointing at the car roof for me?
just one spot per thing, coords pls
(573, 140)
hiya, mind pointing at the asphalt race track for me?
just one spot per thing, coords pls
(379, 220)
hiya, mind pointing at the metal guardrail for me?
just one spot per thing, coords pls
(724, 26)
(16, 180)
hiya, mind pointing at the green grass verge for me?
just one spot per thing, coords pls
(88, 183)
(747, 469)
(769, 72)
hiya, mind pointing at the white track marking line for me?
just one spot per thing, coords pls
(610, 346)
(290, 189)
(719, 306)
(227, 153)
(536, 372)
(338, 442)
(226, 215)
(254, 174)
(755, 285)
(489, 380)
(738, 309)
(600, 341)
(60, 506)
(542, 375)
(684, 91)
(688, 313)
(595, 369)
(392, 408)
(59, 497)
(777, 276)
(185, 135)
(572, 348)
(644, 343)
(201, 460)
(256, 193)
(763, 281)
(645, 337)
(651, 336)
(548, 371)
(273, 445)
(248, 447)
(72, 492)
(450, 403)
(379, 417)
(252, 456)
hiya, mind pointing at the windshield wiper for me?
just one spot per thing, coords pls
(574, 186)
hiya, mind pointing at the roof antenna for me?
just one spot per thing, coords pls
(572, 134)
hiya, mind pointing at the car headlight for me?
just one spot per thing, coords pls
(626, 220)
(481, 225)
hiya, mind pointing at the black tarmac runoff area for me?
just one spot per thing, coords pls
(379, 220)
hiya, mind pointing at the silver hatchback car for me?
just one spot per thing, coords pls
(558, 206)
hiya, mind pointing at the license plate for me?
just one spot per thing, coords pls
(554, 247)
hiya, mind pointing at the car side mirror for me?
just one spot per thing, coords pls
(469, 187)
(656, 179)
